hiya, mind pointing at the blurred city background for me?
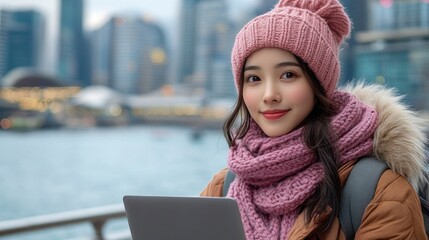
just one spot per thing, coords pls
(99, 99)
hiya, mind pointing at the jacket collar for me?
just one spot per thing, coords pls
(400, 136)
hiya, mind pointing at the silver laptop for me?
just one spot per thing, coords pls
(183, 218)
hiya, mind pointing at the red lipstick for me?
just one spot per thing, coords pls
(274, 114)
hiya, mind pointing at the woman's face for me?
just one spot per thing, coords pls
(275, 91)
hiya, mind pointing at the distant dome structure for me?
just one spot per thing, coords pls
(97, 97)
(29, 77)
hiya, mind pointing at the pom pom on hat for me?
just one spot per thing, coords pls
(311, 29)
(330, 10)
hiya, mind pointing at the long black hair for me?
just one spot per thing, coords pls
(317, 135)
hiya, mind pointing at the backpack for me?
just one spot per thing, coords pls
(358, 193)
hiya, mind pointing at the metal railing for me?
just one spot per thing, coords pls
(96, 216)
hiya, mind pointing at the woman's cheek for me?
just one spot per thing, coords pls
(250, 98)
(301, 94)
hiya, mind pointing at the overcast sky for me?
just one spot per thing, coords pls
(97, 12)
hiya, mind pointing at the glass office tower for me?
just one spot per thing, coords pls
(21, 40)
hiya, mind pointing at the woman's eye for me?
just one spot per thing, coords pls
(288, 75)
(252, 79)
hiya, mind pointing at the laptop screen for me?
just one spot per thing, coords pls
(183, 218)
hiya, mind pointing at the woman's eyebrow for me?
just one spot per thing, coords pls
(251, 67)
(278, 65)
(284, 64)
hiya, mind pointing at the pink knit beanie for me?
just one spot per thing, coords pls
(310, 29)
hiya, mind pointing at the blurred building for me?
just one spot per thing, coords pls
(214, 39)
(126, 53)
(101, 54)
(129, 55)
(21, 40)
(358, 13)
(187, 40)
(25, 77)
(30, 99)
(153, 72)
(206, 39)
(73, 60)
(391, 47)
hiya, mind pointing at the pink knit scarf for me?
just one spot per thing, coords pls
(276, 175)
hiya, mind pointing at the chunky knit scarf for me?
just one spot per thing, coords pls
(276, 175)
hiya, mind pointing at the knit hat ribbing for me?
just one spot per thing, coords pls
(311, 29)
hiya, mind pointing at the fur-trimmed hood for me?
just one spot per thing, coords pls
(400, 136)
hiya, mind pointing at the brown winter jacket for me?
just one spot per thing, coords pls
(394, 212)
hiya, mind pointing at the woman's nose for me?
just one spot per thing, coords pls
(271, 93)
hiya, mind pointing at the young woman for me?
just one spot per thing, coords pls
(294, 137)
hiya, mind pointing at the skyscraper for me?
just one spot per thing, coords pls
(21, 40)
(213, 41)
(153, 71)
(101, 54)
(72, 59)
(358, 13)
(187, 41)
(126, 53)
(221, 82)
(129, 55)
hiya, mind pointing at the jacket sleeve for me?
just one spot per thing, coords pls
(394, 212)
(214, 188)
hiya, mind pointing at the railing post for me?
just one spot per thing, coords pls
(97, 217)
(98, 227)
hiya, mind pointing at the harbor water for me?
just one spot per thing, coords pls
(52, 171)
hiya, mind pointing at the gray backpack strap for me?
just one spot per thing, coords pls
(228, 180)
(358, 192)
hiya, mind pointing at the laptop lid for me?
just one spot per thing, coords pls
(183, 218)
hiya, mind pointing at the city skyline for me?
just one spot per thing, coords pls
(98, 13)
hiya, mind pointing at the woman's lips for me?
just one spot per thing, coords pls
(274, 114)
